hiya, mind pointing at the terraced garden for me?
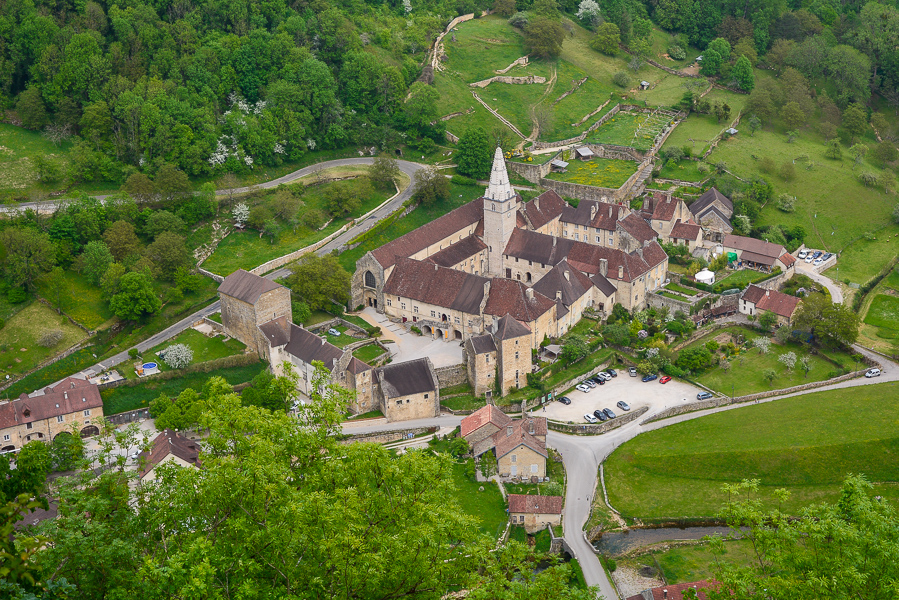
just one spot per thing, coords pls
(599, 172)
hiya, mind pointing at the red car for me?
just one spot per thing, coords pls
(665, 379)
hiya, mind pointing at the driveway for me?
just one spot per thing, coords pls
(409, 346)
(836, 294)
(652, 394)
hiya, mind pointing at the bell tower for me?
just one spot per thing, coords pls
(500, 209)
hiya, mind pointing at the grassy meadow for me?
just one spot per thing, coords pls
(806, 444)
(600, 172)
(19, 348)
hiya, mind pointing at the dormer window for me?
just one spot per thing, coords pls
(26, 413)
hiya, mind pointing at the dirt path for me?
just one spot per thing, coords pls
(535, 130)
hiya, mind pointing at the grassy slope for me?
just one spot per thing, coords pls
(695, 562)
(487, 506)
(806, 444)
(880, 316)
(368, 353)
(205, 348)
(81, 300)
(862, 259)
(19, 351)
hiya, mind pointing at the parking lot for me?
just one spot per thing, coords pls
(629, 389)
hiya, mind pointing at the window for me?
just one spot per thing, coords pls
(403, 305)
(60, 419)
(516, 356)
(487, 356)
(514, 458)
(611, 239)
(597, 239)
(534, 469)
(389, 303)
(576, 236)
(492, 206)
(369, 279)
(415, 309)
(433, 314)
(29, 425)
(399, 402)
(470, 324)
(530, 263)
(87, 413)
(564, 234)
(516, 259)
(6, 438)
(458, 321)
(426, 396)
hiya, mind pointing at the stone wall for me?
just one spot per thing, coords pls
(523, 61)
(530, 171)
(210, 274)
(277, 263)
(385, 437)
(598, 428)
(527, 80)
(130, 416)
(659, 301)
(579, 191)
(451, 375)
(583, 136)
(611, 151)
(325, 325)
(216, 326)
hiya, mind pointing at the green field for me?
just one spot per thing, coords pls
(806, 444)
(685, 170)
(863, 258)
(745, 375)
(739, 279)
(487, 506)
(600, 172)
(620, 130)
(681, 289)
(248, 248)
(125, 398)
(884, 314)
(205, 348)
(19, 349)
(694, 563)
(80, 300)
(574, 107)
(880, 316)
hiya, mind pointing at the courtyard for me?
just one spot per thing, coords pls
(405, 345)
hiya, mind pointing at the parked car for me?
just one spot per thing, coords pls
(609, 413)
(827, 256)
(665, 379)
(333, 331)
(582, 388)
(612, 372)
(650, 378)
(802, 254)
(703, 396)
(623, 405)
(872, 373)
(565, 400)
(818, 262)
(632, 372)
(600, 415)
(604, 376)
(590, 418)
(590, 382)
(600, 381)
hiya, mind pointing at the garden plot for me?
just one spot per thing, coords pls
(598, 172)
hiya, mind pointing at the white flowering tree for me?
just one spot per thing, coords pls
(588, 12)
(248, 138)
(788, 360)
(240, 212)
(178, 356)
(763, 344)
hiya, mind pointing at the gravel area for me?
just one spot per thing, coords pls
(631, 583)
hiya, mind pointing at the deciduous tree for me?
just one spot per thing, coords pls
(543, 37)
(828, 323)
(29, 254)
(607, 39)
(430, 186)
(475, 154)
(135, 297)
(319, 281)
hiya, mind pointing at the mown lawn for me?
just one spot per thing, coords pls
(806, 444)
(466, 402)
(487, 506)
(340, 340)
(574, 107)
(204, 348)
(620, 130)
(739, 279)
(745, 375)
(80, 299)
(694, 563)
(368, 353)
(884, 314)
(685, 170)
(19, 349)
(123, 399)
(681, 289)
(600, 172)
(863, 259)
(483, 46)
(73, 363)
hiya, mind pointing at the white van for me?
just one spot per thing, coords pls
(873, 373)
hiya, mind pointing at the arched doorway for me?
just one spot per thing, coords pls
(444, 318)
(89, 431)
(458, 334)
(527, 277)
(427, 329)
(439, 333)
(8, 449)
(369, 279)
(518, 276)
(62, 433)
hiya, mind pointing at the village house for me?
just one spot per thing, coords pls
(407, 390)
(535, 512)
(676, 591)
(479, 427)
(503, 355)
(759, 254)
(687, 234)
(756, 300)
(662, 210)
(519, 445)
(169, 447)
(713, 212)
(71, 405)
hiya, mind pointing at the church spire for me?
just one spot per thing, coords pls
(499, 189)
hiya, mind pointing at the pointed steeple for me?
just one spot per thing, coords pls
(499, 189)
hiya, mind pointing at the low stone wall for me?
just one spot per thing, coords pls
(530, 171)
(658, 301)
(598, 428)
(526, 80)
(523, 61)
(611, 151)
(210, 274)
(385, 437)
(277, 263)
(577, 85)
(216, 326)
(451, 375)
(129, 417)
(583, 136)
(580, 191)
(325, 325)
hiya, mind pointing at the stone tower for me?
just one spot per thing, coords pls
(500, 208)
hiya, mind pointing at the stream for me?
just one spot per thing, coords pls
(616, 543)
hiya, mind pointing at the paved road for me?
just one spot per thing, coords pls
(836, 294)
(409, 168)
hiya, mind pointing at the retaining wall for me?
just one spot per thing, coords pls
(451, 375)
(659, 301)
(128, 417)
(598, 428)
(385, 437)
(336, 321)
(526, 80)
(530, 171)
(617, 152)
(580, 191)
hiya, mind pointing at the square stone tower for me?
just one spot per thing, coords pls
(500, 209)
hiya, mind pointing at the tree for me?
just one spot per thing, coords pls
(475, 154)
(617, 334)
(135, 297)
(319, 281)
(788, 360)
(607, 39)
(241, 213)
(66, 451)
(30, 108)
(341, 200)
(855, 120)
(858, 152)
(793, 116)
(711, 63)
(574, 349)
(770, 375)
(384, 173)
(430, 186)
(742, 224)
(743, 74)
(885, 152)
(33, 464)
(95, 261)
(754, 124)
(29, 254)
(805, 363)
(504, 8)
(694, 359)
(270, 392)
(762, 343)
(828, 323)
(168, 254)
(57, 287)
(179, 414)
(110, 280)
(161, 221)
(834, 150)
(178, 356)
(588, 11)
(171, 182)
(121, 240)
(543, 37)
(786, 203)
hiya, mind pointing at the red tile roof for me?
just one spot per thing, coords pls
(483, 416)
(532, 504)
(544, 208)
(685, 231)
(787, 259)
(752, 294)
(168, 443)
(664, 206)
(68, 396)
(675, 592)
(356, 366)
(637, 227)
(430, 233)
(509, 297)
(505, 443)
(778, 303)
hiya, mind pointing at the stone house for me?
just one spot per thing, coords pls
(407, 390)
(634, 232)
(479, 427)
(661, 210)
(755, 300)
(504, 354)
(519, 454)
(249, 301)
(760, 254)
(50, 412)
(676, 591)
(535, 512)
(687, 234)
(713, 212)
(573, 292)
(168, 447)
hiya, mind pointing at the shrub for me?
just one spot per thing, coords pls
(786, 203)
(415, 329)
(50, 338)
(677, 53)
(621, 79)
(519, 20)
(178, 356)
(133, 353)
(463, 180)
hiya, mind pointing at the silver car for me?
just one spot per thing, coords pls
(590, 418)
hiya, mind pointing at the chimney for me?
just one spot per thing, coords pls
(554, 241)
(592, 211)
(529, 293)
(509, 429)
(665, 594)
(568, 275)
(603, 267)
(558, 294)
(531, 427)
(610, 211)
(767, 292)
(435, 266)
(620, 271)
(537, 202)
(640, 252)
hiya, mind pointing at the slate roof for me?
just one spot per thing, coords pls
(537, 247)
(602, 284)
(771, 300)
(533, 504)
(277, 332)
(543, 209)
(406, 378)
(757, 258)
(707, 199)
(482, 416)
(573, 287)
(356, 366)
(168, 442)
(505, 443)
(605, 215)
(430, 233)
(638, 228)
(458, 252)
(685, 231)
(713, 210)
(433, 284)
(68, 396)
(508, 328)
(509, 297)
(246, 286)
(753, 245)
(307, 347)
(483, 344)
